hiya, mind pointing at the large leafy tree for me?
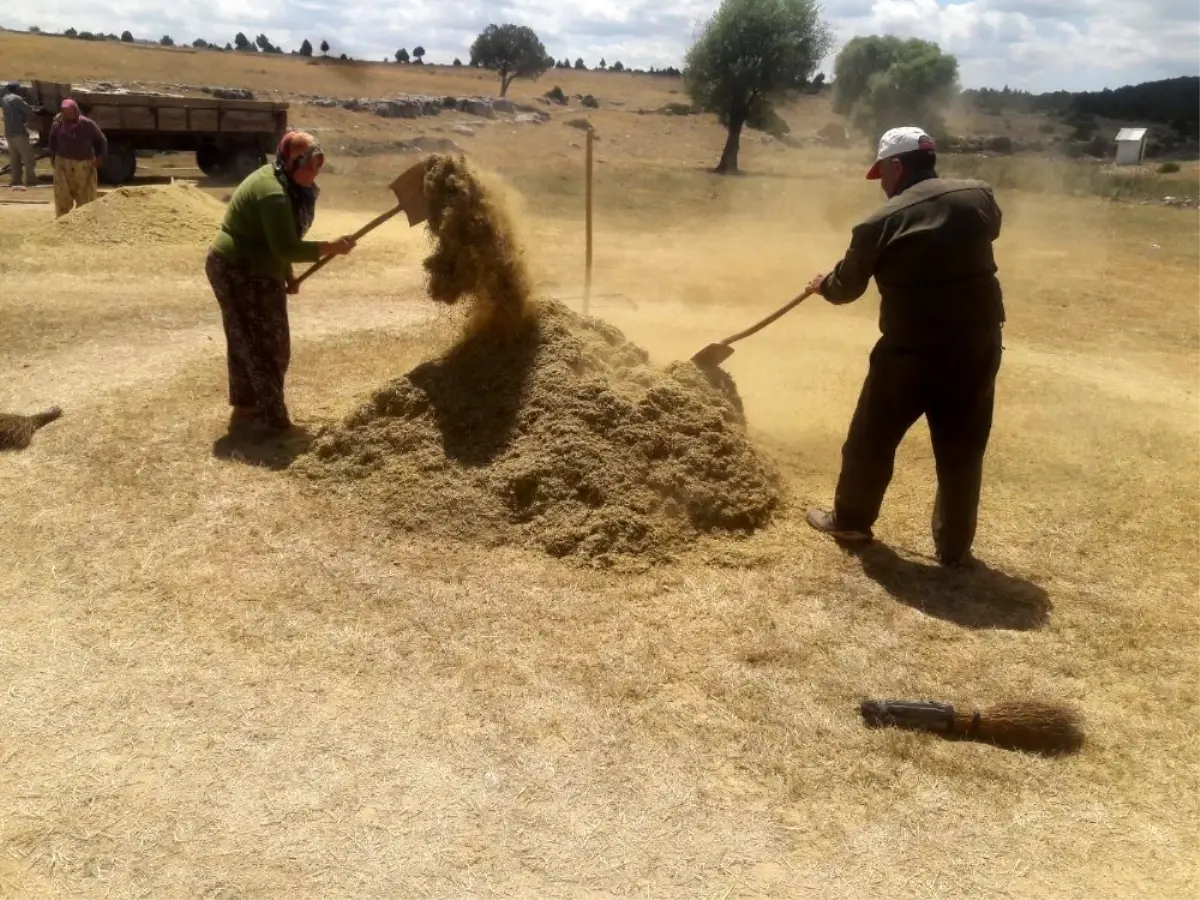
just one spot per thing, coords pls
(750, 52)
(882, 82)
(512, 51)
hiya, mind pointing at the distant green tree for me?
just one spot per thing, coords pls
(751, 52)
(418, 55)
(579, 64)
(457, 62)
(401, 55)
(512, 51)
(324, 48)
(166, 41)
(618, 66)
(127, 37)
(883, 82)
(264, 44)
(71, 32)
(306, 48)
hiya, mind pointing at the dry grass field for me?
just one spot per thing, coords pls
(219, 682)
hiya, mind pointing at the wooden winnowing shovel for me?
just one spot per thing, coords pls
(409, 189)
(715, 354)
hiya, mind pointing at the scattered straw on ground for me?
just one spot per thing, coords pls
(152, 214)
(560, 437)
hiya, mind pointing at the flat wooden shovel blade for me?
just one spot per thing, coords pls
(409, 189)
(712, 355)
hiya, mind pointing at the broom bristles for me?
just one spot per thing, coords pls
(1034, 726)
(42, 419)
(1027, 725)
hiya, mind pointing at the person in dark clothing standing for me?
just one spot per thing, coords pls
(17, 116)
(929, 249)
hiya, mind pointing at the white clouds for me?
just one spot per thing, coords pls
(1037, 44)
(1045, 44)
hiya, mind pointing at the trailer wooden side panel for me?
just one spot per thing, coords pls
(158, 102)
(172, 118)
(138, 118)
(245, 120)
(146, 100)
(107, 117)
(203, 119)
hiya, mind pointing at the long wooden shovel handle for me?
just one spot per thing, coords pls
(758, 326)
(370, 226)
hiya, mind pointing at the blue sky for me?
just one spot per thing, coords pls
(1033, 44)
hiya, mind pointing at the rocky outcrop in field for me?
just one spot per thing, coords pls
(415, 106)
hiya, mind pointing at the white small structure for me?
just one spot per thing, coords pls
(1131, 146)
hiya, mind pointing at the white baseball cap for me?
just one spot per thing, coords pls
(897, 141)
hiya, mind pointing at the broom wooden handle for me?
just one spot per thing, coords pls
(758, 326)
(370, 226)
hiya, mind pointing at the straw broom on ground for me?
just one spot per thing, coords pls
(1045, 728)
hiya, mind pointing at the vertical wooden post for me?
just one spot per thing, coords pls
(587, 276)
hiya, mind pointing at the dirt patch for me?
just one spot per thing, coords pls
(151, 214)
(560, 437)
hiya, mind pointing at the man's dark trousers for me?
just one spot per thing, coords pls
(953, 385)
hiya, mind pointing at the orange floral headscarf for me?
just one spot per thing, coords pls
(296, 150)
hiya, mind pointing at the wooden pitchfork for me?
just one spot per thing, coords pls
(409, 189)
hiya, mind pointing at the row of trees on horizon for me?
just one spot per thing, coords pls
(754, 54)
(263, 44)
(1126, 102)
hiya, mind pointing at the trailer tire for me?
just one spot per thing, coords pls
(248, 160)
(211, 161)
(118, 164)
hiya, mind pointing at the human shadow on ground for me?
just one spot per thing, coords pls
(251, 449)
(977, 597)
(477, 390)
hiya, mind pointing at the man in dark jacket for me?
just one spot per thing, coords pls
(929, 248)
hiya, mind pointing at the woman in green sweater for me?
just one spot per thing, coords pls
(249, 266)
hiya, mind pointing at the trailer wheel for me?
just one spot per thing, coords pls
(118, 165)
(211, 161)
(247, 160)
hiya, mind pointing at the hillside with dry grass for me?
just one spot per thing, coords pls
(224, 679)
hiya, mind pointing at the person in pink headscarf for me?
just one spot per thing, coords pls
(77, 146)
